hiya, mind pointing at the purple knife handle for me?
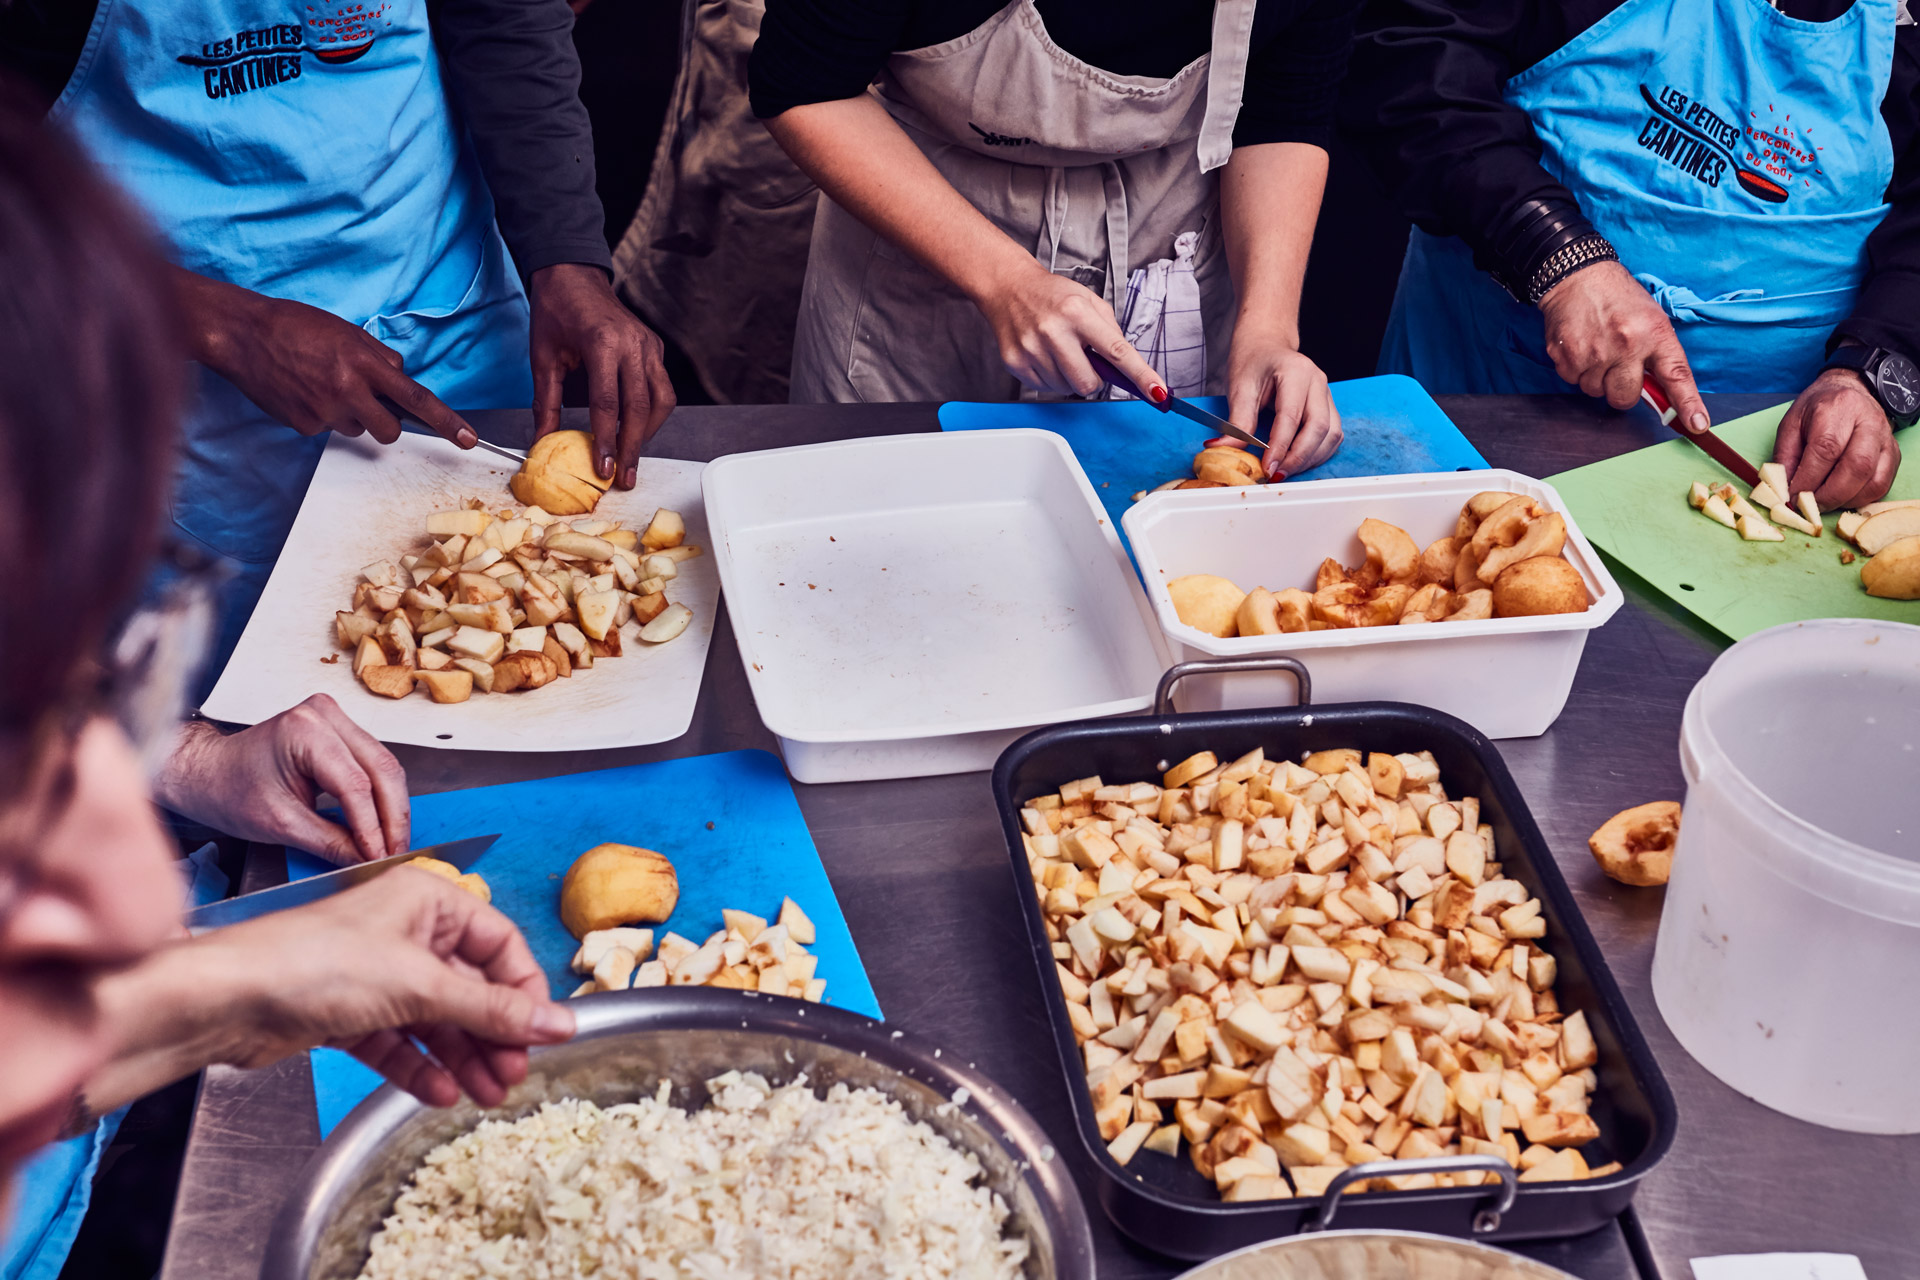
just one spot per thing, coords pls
(1114, 378)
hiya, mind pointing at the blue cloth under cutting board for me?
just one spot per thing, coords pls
(1393, 428)
(757, 852)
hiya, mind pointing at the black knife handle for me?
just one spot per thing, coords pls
(1114, 378)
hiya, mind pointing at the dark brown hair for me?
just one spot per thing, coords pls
(91, 381)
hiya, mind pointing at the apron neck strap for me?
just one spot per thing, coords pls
(1226, 79)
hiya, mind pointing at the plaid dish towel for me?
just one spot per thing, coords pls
(1161, 319)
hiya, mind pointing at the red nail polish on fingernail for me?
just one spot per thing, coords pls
(1157, 394)
(1275, 474)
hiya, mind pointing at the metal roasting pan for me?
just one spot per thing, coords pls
(1163, 1202)
(627, 1042)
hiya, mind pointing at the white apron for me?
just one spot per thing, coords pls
(1093, 170)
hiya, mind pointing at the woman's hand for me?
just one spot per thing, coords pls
(1265, 370)
(1606, 334)
(1837, 442)
(404, 958)
(1045, 323)
(261, 783)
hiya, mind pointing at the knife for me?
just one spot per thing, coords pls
(391, 407)
(1714, 447)
(1172, 403)
(297, 893)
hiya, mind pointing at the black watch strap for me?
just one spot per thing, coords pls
(1867, 362)
(1855, 357)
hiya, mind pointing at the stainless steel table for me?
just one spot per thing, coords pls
(947, 955)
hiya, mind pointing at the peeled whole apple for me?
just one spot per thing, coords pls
(617, 884)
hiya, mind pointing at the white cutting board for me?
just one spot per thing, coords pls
(370, 502)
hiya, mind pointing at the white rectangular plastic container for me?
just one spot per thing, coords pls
(1508, 677)
(908, 605)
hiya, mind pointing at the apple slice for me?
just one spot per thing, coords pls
(1754, 529)
(1810, 509)
(445, 524)
(1774, 476)
(585, 546)
(387, 681)
(1793, 520)
(446, 686)
(1848, 525)
(1882, 530)
(482, 672)
(530, 639)
(473, 642)
(597, 610)
(570, 637)
(1697, 495)
(1716, 509)
(666, 529)
(369, 654)
(1738, 505)
(1894, 573)
(1765, 498)
(1875, 508)
(668, 625)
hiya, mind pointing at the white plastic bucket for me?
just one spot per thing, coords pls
(1789, 947)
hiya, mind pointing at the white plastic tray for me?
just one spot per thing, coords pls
(1508, 677)
(369, 503)
(908, 605)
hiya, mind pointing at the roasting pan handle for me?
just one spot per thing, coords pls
(1163, 697)
(1485, 1219)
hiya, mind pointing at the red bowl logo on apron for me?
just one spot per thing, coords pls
(343, 33)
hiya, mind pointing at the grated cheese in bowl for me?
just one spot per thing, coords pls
(765, 1180)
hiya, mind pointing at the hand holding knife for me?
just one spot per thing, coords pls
(1166, 403)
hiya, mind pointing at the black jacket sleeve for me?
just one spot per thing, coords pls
(825, 50)
(512, 70)
(1423, 102)
(1887, 313)
(1294, 75)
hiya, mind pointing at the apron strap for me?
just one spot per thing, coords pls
(1226, 79)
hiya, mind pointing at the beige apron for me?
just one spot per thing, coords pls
(1095, 171)
(714, 256)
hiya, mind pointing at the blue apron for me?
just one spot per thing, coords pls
(304, 149)
(1736, 158)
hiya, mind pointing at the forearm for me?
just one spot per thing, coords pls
(179, 1011)
(179, 786)
(1269, 202)
(868, 165)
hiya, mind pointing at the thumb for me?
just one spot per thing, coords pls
(493, 1011)
(1668, 368)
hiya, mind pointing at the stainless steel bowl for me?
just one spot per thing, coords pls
(627, 1043)
(1374, 1255)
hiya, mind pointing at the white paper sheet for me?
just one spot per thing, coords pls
(369, 503)
(1779, 1266)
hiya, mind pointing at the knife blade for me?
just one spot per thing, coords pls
(1172, 403)
(1710, 444)
(393, 408)
(297, 893)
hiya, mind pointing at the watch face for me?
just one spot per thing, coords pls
(1899, 382)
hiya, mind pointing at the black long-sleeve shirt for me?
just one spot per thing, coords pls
(512, 71)
(1424, 101)
(824, 50)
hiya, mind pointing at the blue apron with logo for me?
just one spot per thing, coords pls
(1736, 158)
(303, 149)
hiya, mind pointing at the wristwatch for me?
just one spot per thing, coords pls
(1893, 379)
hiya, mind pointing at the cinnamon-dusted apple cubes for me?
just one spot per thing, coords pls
(1294, 967)
(511, 601)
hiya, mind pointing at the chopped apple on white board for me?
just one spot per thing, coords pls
(668, 625)
(444, 524)
(531, 639)
(597, 610)
(666, 529)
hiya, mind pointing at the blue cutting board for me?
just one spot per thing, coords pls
(729, 823)
(1393, 428)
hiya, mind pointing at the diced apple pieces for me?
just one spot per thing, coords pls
(369, 654)
(530, 639)
(382, 573)
(350, 629)
(579, 544)
(1754, 529)
(1716, 509)
(1697, 495)
(1774, 476)
(1766, 498)
(482, 672)
(431, 659)
(1848, 526)
(523, 671)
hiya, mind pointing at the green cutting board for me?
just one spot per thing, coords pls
(1634, 507)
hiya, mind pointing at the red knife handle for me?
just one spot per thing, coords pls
(1657, 398)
